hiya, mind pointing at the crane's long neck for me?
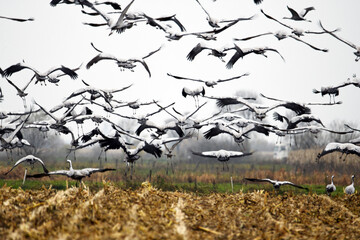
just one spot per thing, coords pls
(332, 181)
(352, 181)
(70, 165)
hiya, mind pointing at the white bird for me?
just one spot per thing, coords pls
(331, 187)
(316, 129)
(222, 155)
(59, 121)
(6, 142)
(95, 93)
(243, 122)
(201, 122)
(160, 128)
(205, 35)
(76, 174)
(105, 105)
(169, 151)
(114, 5)
(182, 119)
(229, 117)
(53, 3)
(169, 154)
(240, 53)
(41, 126)
(133, 104)
(344, 148)
(262, 110)
(209, 83)
(296, 31)
(121, 63)
(299, 16)
(18, 19)
(277, 184)
(280, 35)
(350, 189)
(238, 136)
(40, 76)
(213, 22)
(155, 22)
(357, 48)
(5, 114)
(67, 104)
(216, 52)
(152, 146)
(142, 118)
(31, 160)
(105, 142)
(294, 121)
(59, 124)
(20, 91)
(333, 90)
(195, 93)
(119, 25)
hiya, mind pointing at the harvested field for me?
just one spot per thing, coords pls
(148, 213)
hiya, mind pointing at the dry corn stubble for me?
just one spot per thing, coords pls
(148, 213)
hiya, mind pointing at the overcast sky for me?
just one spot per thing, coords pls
(58, 37)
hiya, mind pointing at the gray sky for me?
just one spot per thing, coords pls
(58, 37)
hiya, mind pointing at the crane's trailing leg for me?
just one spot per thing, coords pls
(24, 176)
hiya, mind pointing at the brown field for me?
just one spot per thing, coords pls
(148, 213)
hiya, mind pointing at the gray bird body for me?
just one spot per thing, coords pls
(277, 184)
(31, 160)
(331, 187)
(350, 189)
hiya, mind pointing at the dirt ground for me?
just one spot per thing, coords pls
(148, 213)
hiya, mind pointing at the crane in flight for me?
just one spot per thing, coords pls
(40, 76)
(280, 35)
(205, 35)
(294, 121)
(262, 110)
(350, 44)
(344, 148)
(222, 155)
(213, 22)
(31, 160)
(277, 184)
(296, 16)
(18, 19)
(240, 53)
(76, 174)
(209, 83)
(118, 25)
(121, 63)
(195, 93)
(296, 31)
